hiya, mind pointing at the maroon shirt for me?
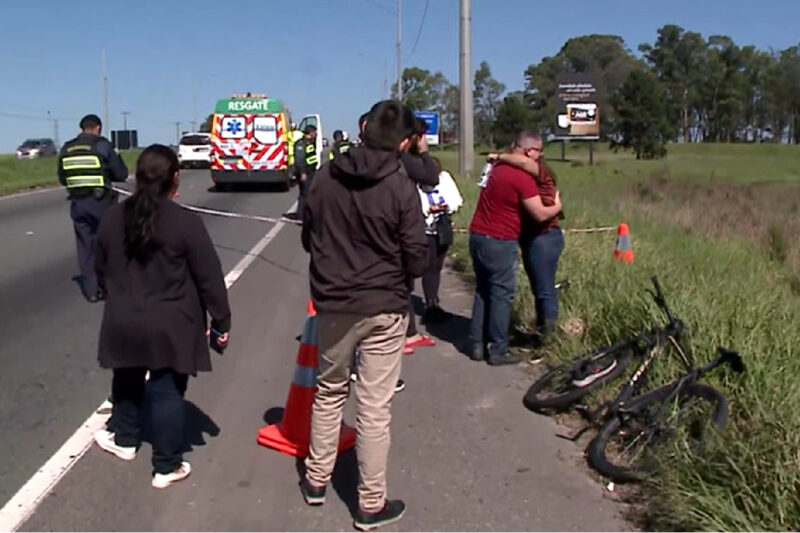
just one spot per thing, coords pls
(547, 190)
(499, 211)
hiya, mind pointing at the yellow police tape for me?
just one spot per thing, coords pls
(271, 220)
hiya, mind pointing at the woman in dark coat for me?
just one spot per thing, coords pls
(162, 277)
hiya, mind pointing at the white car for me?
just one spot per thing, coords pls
(194, 150)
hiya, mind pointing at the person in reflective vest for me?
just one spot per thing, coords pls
(86, 167)
(294, 137)
(340, 145)
(306, 161)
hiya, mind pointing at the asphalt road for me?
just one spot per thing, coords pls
(465, 455)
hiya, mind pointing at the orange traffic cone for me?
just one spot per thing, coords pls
(293, 434)
(623, 250)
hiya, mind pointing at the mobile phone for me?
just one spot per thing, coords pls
(213, 341)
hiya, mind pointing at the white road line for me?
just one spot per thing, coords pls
(248, 259)
(30, 193)
(23, 504)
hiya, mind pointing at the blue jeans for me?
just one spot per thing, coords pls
(495, 264)
(540, 257)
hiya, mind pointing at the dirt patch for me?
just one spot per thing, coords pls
(763, 212)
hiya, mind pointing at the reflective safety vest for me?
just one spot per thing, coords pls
(311, 154)
(339, 149)
(294, 137)
(82, 167)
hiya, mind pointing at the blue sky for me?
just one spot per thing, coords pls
(319, 56)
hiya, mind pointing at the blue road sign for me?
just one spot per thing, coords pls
(431, 118)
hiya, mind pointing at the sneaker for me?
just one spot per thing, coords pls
(105, 439)
(311, 494)
(591, 372)
(400, 387)
(507, 359)
(393, 510)
(106, 407)
(407, 350)
(162, 481)
(353, 377)
(477, 354)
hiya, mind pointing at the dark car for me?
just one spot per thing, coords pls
(33, 148)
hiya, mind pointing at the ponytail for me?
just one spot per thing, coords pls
(155, 169)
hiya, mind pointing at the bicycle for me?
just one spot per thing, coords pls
(636, 426)
(564, 385)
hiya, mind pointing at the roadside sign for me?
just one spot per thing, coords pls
(578, 114)
(431, 118)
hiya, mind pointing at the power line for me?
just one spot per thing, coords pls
(419, 32)
(32, 117)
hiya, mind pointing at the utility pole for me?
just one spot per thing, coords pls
(105, 94)
(399, 52)
(125, 120)
(385, 79)
(466, 156)
(177, 132)
(194, 104)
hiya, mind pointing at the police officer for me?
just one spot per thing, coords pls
(340, 145)
(86, 167)
(306, 160)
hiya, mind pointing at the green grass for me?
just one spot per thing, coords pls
(735, 288)
(16, 175)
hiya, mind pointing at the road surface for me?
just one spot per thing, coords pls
(465, 454)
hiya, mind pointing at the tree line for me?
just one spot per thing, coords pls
(683, 88)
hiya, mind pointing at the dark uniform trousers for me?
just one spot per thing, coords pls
(86, 213)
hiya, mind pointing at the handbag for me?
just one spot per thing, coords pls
(444, 230)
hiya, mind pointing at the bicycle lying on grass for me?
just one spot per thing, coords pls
(634, 425)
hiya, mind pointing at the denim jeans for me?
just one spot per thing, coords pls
(540, 256)
(495, 264)
(166, 389)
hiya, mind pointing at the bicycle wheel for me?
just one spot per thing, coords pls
(627, 447)
(562, 386)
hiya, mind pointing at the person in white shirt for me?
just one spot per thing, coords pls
(438, 205)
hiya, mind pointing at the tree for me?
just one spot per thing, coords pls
(513, 115)
(486, 95)
(642, 116)
(205, 127)
(676, 58)
(449, 110)
(422, 90)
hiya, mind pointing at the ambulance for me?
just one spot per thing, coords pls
(250, 141)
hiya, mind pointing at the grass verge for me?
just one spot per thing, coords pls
(20, 175)
(729, 273)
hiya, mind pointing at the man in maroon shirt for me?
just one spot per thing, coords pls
(494, 233)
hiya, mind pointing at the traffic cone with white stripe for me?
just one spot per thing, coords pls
(293, 434)
(623, 250)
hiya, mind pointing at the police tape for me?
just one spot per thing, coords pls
(598, 229)
(226, 214)
(272, 220)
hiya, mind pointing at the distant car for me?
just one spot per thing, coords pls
(194, 150)
(34, 148)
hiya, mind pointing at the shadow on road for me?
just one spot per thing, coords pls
(451, 328)
(197, 424)
(249, 187)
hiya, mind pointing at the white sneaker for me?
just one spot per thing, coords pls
(105, 439)
(353, 377)
(162, 481)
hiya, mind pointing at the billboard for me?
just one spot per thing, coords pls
(125, 139)
(431, 118)
(578, 113)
